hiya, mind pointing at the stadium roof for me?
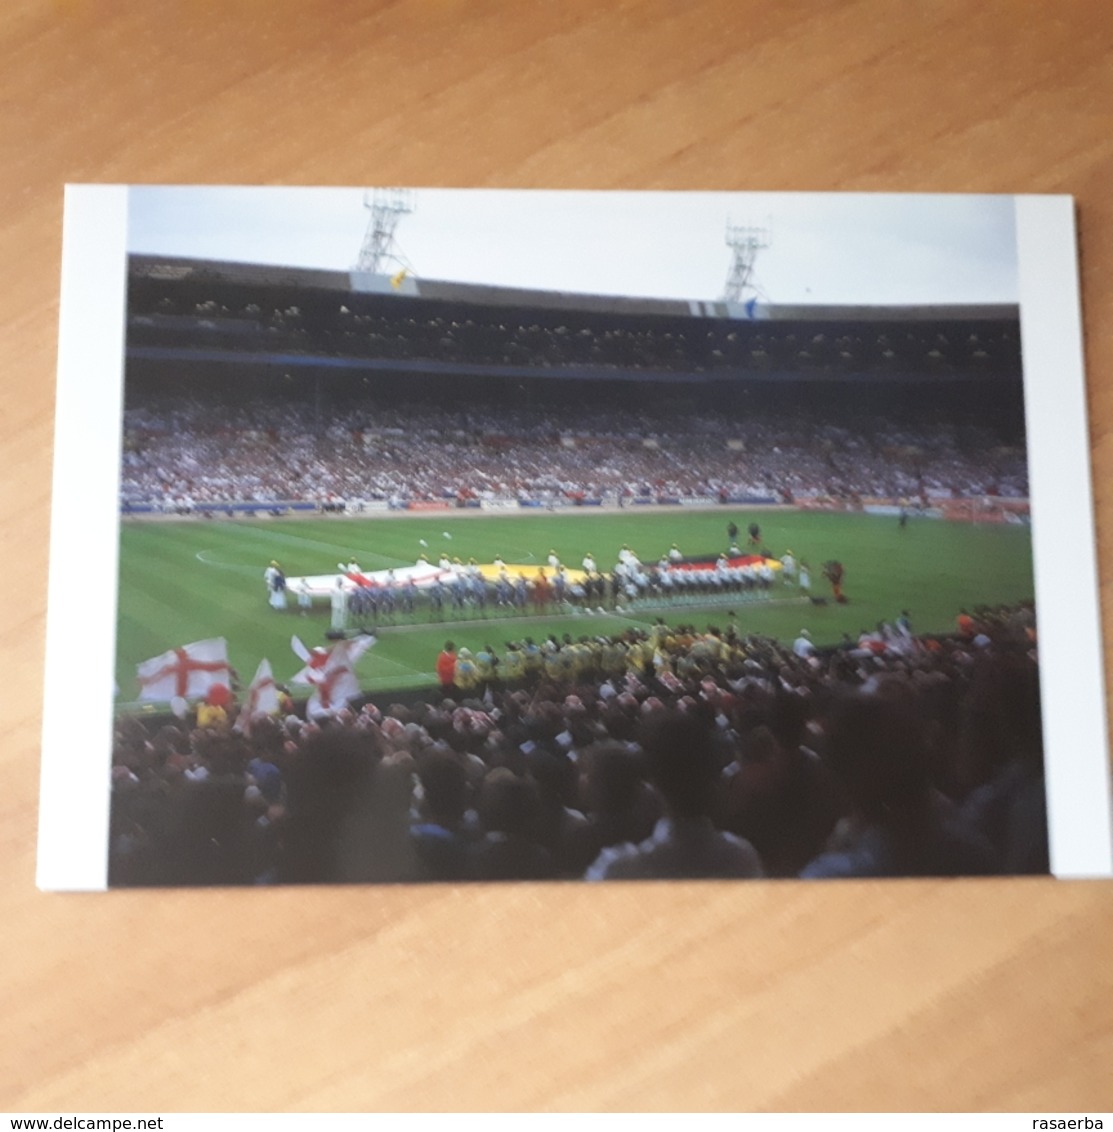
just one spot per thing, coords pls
(173, 269)
(180, 270)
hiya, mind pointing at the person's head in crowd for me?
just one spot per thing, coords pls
(1001, 718)
(511, 848)
(444, 786)
(682, 760)
(508, 804)
(875, 744)
(612, 774)
(555, 775)
(169, 740)
(331, 801)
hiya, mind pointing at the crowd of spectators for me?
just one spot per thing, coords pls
(179, 454)
(668, 752)
(397, 329)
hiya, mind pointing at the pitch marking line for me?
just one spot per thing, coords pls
(235, 567)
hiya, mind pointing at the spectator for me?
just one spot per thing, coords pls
(509, 809)
(440, 834)
(446, 669)
(683, 767)
(926, 761)
(898, 825)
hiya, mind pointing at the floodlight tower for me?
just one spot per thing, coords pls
(387, 207)
(744, 241)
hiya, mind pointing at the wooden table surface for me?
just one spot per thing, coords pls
(904, 995)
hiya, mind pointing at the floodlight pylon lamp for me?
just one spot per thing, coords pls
(387, 207)
(744, 241)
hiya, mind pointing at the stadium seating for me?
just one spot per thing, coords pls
(921, 757)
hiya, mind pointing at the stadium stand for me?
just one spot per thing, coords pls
(893, 755)
(266, 385)
(179, 454)
(178, 307)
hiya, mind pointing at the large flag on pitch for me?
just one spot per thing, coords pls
(189, 671)
(331, 675)
(261, 698)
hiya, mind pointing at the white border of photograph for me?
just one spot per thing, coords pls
(84, 542)
(80, 639)
(1072, 682)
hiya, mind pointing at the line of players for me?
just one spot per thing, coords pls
(465, 588)
(469, 593)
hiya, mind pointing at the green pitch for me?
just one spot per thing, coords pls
(185, 581)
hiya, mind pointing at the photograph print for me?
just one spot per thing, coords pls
(478, 536)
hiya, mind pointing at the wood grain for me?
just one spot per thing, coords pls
(970, 995)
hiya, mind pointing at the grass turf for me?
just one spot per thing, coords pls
(188, 580)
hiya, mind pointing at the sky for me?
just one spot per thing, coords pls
(852, 248)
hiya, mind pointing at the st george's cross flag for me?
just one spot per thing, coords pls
(331, 674)
(260, 699)
(189, 671)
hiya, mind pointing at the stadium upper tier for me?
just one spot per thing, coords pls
(209, 311)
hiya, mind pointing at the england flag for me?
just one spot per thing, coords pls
(261, 698)
(331, 674)
(188, 672)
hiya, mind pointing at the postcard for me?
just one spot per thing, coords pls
(407, 535)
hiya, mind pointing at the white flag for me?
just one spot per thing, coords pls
(314, 660)
(334, 682)
(261, 698)
(189, 671)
